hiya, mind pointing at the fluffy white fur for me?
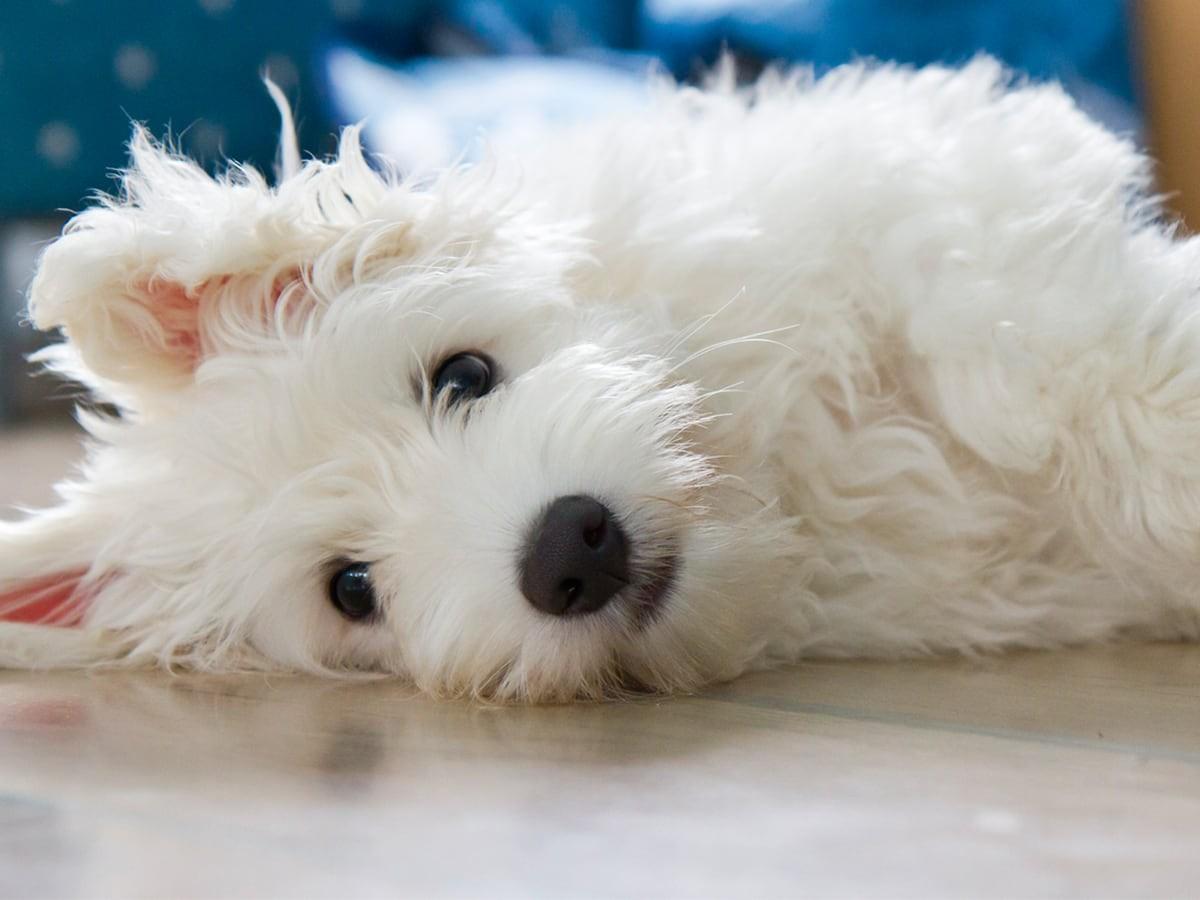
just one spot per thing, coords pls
(900, 361)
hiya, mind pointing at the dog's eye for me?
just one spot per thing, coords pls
(463, 376)
(351, 593)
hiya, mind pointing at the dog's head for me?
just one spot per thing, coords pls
(370, 426)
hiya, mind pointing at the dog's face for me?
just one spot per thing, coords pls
(371, 427)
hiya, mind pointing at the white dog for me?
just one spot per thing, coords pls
(886, 363)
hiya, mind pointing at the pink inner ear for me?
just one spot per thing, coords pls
(178, 309)
(56, 600)
(178, 316)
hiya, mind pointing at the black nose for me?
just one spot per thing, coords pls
(577, 558)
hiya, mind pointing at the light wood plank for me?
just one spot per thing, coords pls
(847, 779)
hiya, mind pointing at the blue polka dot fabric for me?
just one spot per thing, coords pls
(73, 73)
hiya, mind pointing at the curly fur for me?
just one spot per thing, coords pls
(899, 361)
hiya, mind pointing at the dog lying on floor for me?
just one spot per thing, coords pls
(887, 363)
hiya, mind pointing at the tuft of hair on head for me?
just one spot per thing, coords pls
(288, 162)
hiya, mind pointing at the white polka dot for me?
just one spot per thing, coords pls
(58, 144)
(206, 138)
(346, 9)
(282, 70)
(215, 7)
(135, 66)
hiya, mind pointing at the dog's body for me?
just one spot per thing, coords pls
(891, 363)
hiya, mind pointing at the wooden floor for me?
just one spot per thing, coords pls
(1067, 774)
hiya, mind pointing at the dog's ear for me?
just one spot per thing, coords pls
(182, 265)
(48, 576)
(68, 598)
(178, 267)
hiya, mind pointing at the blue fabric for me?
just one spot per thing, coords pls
(553, 26)
(425, 105)
(74, 72)
(1061, 39)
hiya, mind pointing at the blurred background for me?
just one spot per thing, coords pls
(430, 77)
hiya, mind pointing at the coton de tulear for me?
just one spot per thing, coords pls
(884, 363)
